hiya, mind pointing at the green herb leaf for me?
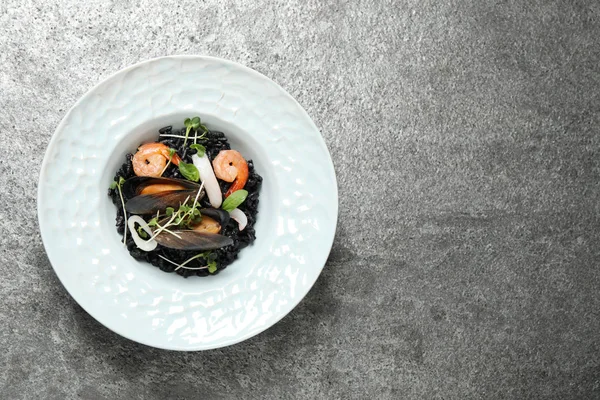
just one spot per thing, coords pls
(121, 181)
(189, 171)
(212, 266)
(113, 185)
(169, 211)
(195, 122)
(187, 122)
(199, 149)
(153, 222)
(195, 220)
(234, 200)
(142, 232)
(204, 128)
(172, 152)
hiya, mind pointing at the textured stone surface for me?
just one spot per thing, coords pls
(466, 139)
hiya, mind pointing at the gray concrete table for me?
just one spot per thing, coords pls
(466, 140)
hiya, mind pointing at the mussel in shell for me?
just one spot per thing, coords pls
(212, 220)
(147, 195)
(138, 184)
(207, 224)
(217, 214)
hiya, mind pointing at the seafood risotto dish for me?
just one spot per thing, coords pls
(186, 203)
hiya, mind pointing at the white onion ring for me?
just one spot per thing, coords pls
(240, 217)
(146, 245)
(207, 176)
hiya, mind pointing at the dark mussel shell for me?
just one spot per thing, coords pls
(151, 203)
(192, 240)
(134, 186)
(219, 215)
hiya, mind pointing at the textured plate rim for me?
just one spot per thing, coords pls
(55, 137)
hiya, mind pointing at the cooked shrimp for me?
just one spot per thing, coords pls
(230, 166)
(151, 159)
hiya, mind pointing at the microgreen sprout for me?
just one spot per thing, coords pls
(204, 131)
(210, 257)
(117, 185)
(198, 195)
(200, 150)
(185, 216)
(142, 232)
(212, 266)
(154, 222)
(195, 137)
(171, 154)
(193, 123)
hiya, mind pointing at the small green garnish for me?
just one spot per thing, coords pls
(211, 261)
(195, 124)
(188, 128)
(142, 232)
(189, 171)
(118, 185)
(209, 257)
(184, 217)
(212, 266)
(172, 152)
(200, 150)
(190, 124)
(234, 200)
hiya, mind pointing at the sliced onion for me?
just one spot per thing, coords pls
(240, 217)
(207, 176)
(146, 245)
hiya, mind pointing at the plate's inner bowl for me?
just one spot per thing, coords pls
(239, 140)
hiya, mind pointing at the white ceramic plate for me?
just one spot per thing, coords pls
(295, 226)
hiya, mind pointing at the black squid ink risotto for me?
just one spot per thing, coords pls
(186, 203)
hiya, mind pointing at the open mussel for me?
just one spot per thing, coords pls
(147, 195)
(139, 185)
(217, 214)
(212, 221)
